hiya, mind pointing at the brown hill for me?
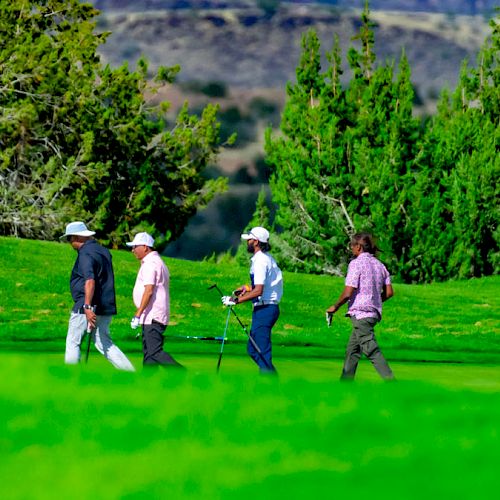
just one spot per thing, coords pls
(247, 49)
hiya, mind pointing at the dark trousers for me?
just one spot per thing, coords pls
(263, 320)
(152, 346)
(362, 341)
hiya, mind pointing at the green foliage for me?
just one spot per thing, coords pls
(354, 158)
(79, 141)
(456, 207)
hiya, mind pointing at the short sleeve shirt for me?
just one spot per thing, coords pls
(265, 271)
(94, 262)
(154, 272)
(368, 276)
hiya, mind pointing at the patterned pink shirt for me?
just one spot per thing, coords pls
(368, 276)
(153, 271)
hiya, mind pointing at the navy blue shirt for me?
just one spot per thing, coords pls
(94, 262)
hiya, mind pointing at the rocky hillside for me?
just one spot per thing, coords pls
(248, 49)
(471, 7)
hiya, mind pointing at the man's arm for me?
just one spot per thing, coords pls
(256, 291)
(343, 298)
(146, 297)
(89, 295)
(387, 292)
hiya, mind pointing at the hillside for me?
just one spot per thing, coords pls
(248, 49)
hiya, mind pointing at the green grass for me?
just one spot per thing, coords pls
(453, 321)
(94, 432)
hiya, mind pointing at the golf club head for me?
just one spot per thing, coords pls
(211, 287)
(329, 317)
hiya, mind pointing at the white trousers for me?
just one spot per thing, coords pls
(77, 330)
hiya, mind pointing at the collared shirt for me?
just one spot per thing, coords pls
(368, 276)
(153, 271)
(94, 262)
(265, 271)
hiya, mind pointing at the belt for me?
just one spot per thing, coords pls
(265, 303)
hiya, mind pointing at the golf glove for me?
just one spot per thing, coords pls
(228, 301)
(134, 323)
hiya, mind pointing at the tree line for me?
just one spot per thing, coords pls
(79, 140)
(355, 157)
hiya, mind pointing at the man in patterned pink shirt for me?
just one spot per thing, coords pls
(367, 285)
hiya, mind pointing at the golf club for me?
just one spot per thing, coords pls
(189, 337)
(223, 340)
(90, 330)
(257, 348)
(329, 317)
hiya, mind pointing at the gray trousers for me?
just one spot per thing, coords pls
(77, 330)
(362, 341)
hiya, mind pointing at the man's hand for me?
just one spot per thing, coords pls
(91, 318)
(134, 323)
(228, 301)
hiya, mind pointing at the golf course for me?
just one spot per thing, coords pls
(90, 431)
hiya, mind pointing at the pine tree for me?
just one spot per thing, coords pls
(344, 156)
(80, 141)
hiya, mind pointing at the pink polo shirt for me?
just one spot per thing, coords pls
(368, 276)
(153, 271)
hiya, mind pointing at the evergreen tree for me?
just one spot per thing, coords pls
(456, 204)
(339, 166)
(79, 140)
(355, 158)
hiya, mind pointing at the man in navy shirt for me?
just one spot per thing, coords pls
(92, 286)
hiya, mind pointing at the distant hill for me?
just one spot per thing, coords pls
(471, 7)
(247, 48)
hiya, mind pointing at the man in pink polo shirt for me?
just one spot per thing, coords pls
(152, 299)
(367, 285)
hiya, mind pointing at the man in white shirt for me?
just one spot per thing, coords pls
(265, 293)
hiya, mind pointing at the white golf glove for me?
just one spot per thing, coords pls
(134, 323)
(228, 301)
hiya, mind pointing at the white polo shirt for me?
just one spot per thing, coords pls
(265, 271)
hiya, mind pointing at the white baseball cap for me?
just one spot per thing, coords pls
(142, 239)
(77, 229)
(257, 233)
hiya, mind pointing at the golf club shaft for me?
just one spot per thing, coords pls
(90, 330)
(89, 333)
(193, 337)
(222, 343)
(252, 340)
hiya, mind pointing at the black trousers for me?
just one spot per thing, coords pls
(152, 346)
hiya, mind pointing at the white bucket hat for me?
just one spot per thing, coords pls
(142, 239)
(77, 229)
(257, 233)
